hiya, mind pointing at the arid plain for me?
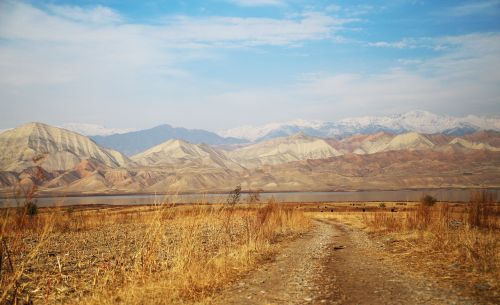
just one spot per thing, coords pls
(244, 249)
(261, 152)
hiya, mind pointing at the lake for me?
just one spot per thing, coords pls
(453, 195)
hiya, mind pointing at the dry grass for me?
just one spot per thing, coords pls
(445, 238)
(159, 254)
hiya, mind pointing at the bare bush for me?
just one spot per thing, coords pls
(428, 200)
(481, 209)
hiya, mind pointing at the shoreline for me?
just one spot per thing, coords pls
(340, 191)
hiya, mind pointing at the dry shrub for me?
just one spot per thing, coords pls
(216, 245)
(466, 233)
(16, 256)
(428, 200)
(383, 221)
(481, 210)
(422, 216)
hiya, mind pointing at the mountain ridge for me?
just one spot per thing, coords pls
(179, 152)
(132, 143)
(74, 164)
(417, 121)
(56, 149)
(282, 150)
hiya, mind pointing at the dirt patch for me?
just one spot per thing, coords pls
(362, 273)
(290, 278)
(335, 264)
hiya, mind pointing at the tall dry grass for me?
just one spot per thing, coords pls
(168, 254)
(463, 234)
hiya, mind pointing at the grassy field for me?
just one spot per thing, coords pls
(130, 254)
(453, 242)
(187, 253)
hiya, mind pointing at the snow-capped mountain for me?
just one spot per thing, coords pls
(272, 130)
(94, 129)
(417, 121)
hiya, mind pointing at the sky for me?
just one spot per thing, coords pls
(217, 64)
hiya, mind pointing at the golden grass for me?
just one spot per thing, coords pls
(455, 244)
(156, 254)
(464, 237)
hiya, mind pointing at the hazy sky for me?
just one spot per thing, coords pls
(217, 64)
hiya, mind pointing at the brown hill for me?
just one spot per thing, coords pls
(72, 163)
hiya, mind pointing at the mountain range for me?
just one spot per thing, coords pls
(75, 164)
(418, 121)
(131, 142)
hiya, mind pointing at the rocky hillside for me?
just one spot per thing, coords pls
(74, 164)
(180, 153)
(284, 150)
(52, 148)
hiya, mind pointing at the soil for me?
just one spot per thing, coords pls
(337, 264)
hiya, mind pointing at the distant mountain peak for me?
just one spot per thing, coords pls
(300, 135)
(417, 113)
(176, 142)
(94, 129)
(58, 147)
(176, 152)
(132, 143)
(420, 121)
(280, 150)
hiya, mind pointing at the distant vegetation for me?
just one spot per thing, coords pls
(428, 200)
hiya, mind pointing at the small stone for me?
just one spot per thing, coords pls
(308, 299)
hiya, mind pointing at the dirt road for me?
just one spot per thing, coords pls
(334, 264)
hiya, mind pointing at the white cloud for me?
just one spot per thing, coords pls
(98, 14)
(396, 44)
(352, 10)
(66, 43)
(86, 64)
(60, 63)
(436, 44)
(464, 79)
(258, 2)
(228, 31)
(475, 7)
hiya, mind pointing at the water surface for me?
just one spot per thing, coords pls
(453, 195)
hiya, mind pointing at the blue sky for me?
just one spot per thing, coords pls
(224, 63)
